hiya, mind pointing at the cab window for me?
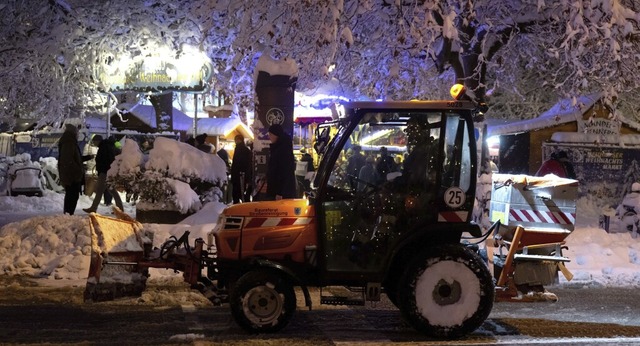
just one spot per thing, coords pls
(389, 159)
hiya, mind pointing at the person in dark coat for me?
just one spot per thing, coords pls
(241, 171)
(281, 179)
(385, 164)
(70, 167)
(117, 150)
(306, 157)
(224, 155)
(355, 162)
(105, 156)
(201, 143)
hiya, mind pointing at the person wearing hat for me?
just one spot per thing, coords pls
(281, 179)
(629, 210)
(104, 157)
(70, 167)
(241, 171)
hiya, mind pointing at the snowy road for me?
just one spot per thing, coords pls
(31, 314)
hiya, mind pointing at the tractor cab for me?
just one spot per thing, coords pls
(392, 172)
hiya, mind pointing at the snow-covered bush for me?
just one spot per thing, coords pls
(50, 173)
(174, 176)
(126, 170)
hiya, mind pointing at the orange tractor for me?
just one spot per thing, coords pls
(391, 224)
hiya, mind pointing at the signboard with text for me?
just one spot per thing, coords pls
(187, 72)
(604, 172)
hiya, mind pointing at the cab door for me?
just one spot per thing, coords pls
(458, 170)
(380, 180)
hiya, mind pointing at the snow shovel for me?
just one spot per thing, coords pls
(117, 246)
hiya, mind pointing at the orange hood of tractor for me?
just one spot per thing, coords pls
(281, 208)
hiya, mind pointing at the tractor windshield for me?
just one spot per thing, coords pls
(388, 174)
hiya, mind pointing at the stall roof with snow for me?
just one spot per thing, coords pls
(143, 118)
(224, 128)
(583, 121)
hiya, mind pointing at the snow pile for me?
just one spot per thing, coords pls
(54, 247)
(598, 258)
(59, 247)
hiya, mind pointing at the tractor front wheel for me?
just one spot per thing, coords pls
(447, 292)
(262, 301)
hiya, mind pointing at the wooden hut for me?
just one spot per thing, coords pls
(602, 148)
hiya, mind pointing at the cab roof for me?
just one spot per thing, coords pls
(436, 105)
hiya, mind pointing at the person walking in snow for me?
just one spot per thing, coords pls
(105, 156)
(117, 150)
(628, 211)
(281, 179)
(70, 167)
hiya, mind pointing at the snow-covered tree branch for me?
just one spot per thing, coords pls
(519, 55)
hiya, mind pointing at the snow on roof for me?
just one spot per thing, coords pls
(212, 108)
(283, 67)
(147, 114)
(224, 127)
(599, 139)
(95, 124)
(562, 112)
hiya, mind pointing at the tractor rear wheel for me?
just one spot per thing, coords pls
(447, 292)
(262, 301)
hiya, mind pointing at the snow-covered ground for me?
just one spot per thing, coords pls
(37, 240)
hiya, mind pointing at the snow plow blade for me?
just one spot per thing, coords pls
(117, 246)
